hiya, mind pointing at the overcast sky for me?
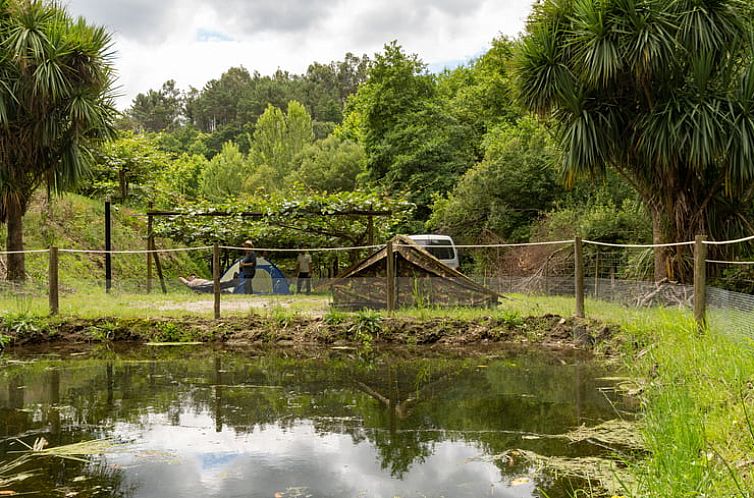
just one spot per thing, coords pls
(193, 41)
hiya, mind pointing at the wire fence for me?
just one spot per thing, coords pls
(184, 280)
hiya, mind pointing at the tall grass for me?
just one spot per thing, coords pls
(697, 397)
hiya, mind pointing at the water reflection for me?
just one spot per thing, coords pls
(253, 423)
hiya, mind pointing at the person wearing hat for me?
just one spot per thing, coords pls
(248, 267)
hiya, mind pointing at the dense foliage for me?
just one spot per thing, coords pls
(325, 220)
(499, 198)
(661, 92)
(450, 152)
(55, 106)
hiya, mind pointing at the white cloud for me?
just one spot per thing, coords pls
(193, 41)
(191, 459)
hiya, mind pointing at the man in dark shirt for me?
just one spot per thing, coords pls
(248, 267)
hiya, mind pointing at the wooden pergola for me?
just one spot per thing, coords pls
(151, 214)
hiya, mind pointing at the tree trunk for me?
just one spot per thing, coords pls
(123, 185)
(15, 241)
(659, 237)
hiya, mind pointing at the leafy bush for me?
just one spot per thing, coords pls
(334, 317)
(171, 332)
(23, 325)
(103, 332)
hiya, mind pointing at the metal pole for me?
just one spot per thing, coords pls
(108, 247)
(579, 283)
(53, 282)
(216, 278)
(700, 283)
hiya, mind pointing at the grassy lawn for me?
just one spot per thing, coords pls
(95, 303)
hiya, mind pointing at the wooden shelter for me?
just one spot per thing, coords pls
(404, 274)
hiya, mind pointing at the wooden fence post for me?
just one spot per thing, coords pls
(216, 277)
(150, 224)
(370, 230)
(700, 283)
(53, 282)
(579, 283)
(390, 277)
(158, 267)
(108, 247)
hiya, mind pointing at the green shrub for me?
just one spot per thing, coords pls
(511, 318)
(171, 332)
(103, 332)
(368, 322)
(23, 325)
(334, 317)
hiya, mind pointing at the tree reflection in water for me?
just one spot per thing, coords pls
(402, 405)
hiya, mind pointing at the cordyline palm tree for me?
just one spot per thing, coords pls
(55, 104)
(660, 90)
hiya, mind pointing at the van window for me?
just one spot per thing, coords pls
(443, 253)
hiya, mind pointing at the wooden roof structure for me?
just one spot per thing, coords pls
(420, 280)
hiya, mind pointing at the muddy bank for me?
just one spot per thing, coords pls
(359, 330)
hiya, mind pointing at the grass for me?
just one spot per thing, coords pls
(91, 302)
(698, 402)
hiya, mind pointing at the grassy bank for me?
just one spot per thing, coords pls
(360, 330)
(698, 403)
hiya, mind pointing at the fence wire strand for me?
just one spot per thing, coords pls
(617, 273)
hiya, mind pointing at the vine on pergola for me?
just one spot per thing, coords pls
(333, 220)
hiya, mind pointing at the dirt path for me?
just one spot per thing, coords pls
(306, 305)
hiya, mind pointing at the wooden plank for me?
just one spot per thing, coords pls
(150, 239)
(158, 266)
(108, 247)
(370, 230)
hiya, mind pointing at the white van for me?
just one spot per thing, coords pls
(439, 246)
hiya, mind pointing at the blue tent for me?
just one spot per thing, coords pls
(268, 279)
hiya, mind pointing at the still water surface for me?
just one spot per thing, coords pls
(286, 423)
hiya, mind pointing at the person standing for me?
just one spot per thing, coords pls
(248, 267)
(304, 272)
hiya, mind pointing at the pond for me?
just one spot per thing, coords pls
(272, 423)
